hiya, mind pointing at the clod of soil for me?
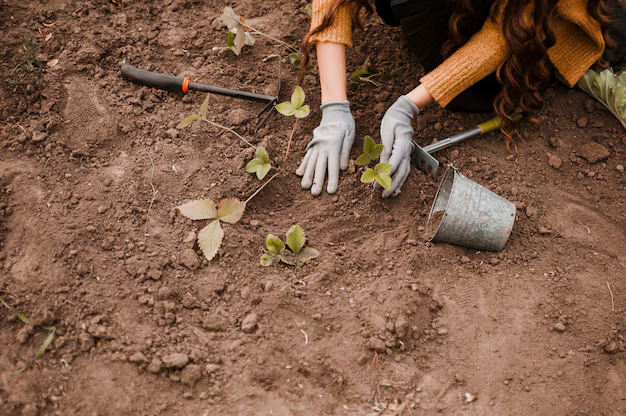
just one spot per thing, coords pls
(433, 225)
(594, 152)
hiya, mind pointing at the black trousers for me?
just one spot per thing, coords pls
(425, 26)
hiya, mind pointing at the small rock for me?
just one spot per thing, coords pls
(598, 124)
(532, 212)
(255, 223)
(39, 136)
(86, 341)
(249, 323)
(173, 133)
(268, 286)
(459, 378)
(138, 358)
(590, 105)
(189, 301)
(191, 237)
(442, 331)
(154, 274)
(351, 166)
(582, 122)
(176, 360)
(620, 168)
(454, 154)
(401, 326)
(211, 368)
(245, 293)
(555, 161)
(155, 366)
(145, 299)
(510, 157)
(102, 209)
(544, 230)
(191, 374)
(465, 260)
(376, 345)
(611, 347)
(24, 333)
(559, 326)
(190, 259)
(594, 152)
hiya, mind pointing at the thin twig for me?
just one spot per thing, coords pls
(295, 125)
(154, 194)
(288, 46)
(306, 337)
(612, 299)
(262, 186)
(230, 130)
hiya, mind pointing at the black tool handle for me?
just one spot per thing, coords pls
(182, 84)
(153, 79)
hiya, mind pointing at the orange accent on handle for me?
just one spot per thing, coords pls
(186, 84)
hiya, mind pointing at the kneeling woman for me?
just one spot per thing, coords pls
(478, 56)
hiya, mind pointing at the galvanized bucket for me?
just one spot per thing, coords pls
(469, 215)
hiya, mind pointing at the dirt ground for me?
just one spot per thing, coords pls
(146, 326)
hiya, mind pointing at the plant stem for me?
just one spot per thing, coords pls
(288, 46)
(154, 194)
(295, 125)
(262, 186)
(230, 130)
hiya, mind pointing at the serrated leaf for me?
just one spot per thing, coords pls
(295, 59)
(383, 169)
(288, 257)
(295, 239)
(364, 159)
(188, 121)
(203, 209)
(263, 171)
(297, 97)
(230, 210)
(307, 255)
(261, 154)
(230, 18)
(254, 165)
(384, 181)
(274, 244)
(204, 106)
(210, 239)
(286, 108)
(608, 89)
(369, 145)
(377, 151)
(368, 176)
(240, 39)
(303, 111)
(268, 259)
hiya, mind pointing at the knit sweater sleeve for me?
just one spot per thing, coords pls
(340, 31)
(479, 57)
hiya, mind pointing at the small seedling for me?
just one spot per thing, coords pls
(360, 74)
(295, 59)
(396, 73)
(296, 254)
(380, 174)
(51, 331)
(235, 45)
(371, 151)
(609, 89)
(260, 164)
(229, 210)
(294, 107)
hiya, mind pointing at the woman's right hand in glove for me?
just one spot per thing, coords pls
(330, 148)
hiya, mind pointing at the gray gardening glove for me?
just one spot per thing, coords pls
(329, 149)
(397, 134)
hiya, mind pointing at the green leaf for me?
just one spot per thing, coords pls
(250, 41)
(364, 159)
(210, 239)
(297, 98)
(368, 176)
(307, 255)
(230, 18)
(254, 165)
(240, 39)
(295, 59)
(384, 180)
(230, 210)
(21, 316)
(231, 42)
(369, 145)
(609, 89)
(286, 108)
(203, 209)
(288, 257)
(303, 111)
(377, 151)
(263, 171)
(366, 64)
(309, 9)
(204, 105)
(46, 342)
(188, 121)
(295, 239)
(268, 259)
(356, 75)
(261, 154)
(274, 244)
(383, 169)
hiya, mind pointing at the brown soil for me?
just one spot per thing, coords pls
(433, 225)
(145, 326)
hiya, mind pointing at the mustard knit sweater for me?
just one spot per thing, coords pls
(579, 43)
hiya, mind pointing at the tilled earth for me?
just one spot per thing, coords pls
(92, 168)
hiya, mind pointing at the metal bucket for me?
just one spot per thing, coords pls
(469, 215)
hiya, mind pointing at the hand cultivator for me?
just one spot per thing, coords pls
(182, 84)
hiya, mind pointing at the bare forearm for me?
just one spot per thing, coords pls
(420, 97)
(331, 61)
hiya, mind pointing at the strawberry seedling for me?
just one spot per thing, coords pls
(260, 164)
(371, 151)
(229, 210)
(295, 108)
(360, 74)
(293, 253)
(380, 174)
